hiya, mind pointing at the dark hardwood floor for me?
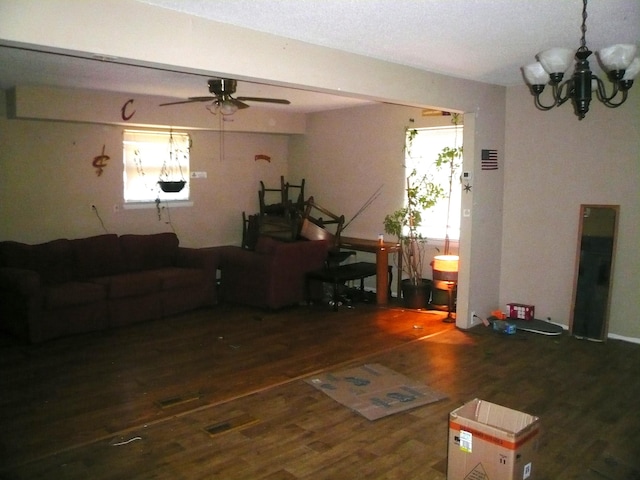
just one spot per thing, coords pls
(219, 394)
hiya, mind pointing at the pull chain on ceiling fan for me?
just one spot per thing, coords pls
(223, 100)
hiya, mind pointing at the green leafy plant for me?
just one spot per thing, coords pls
(450, 158)
(422, 193)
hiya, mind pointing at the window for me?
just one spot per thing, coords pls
(422, 154)
(152, 156)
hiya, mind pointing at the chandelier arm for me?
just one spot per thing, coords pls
(601, 92)
(540, 105)
(568, 88)
(608, 101)
(558, 98)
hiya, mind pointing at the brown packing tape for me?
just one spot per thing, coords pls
(495, 440)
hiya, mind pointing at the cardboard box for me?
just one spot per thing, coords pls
(491, 442)
(521, 311)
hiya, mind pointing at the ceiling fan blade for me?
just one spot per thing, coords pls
(265, 100)
(191, 100)
(238, 103)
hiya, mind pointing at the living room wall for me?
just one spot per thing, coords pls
(100, 28)
(554, 163)
(48, 183)
(353, 154)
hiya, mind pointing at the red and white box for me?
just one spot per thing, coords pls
(521, 311)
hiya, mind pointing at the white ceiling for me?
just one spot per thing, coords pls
(483, 40)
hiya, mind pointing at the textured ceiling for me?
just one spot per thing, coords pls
(482, 40)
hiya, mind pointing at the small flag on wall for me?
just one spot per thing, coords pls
(489, 160)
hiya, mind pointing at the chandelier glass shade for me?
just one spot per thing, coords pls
(619, 61)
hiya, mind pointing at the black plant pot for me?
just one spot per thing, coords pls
(416, 296)
(171, 187)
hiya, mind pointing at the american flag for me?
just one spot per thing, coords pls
(489, 160)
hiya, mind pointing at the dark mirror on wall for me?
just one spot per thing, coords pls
(594, 269)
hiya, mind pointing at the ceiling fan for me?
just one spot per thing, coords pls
(222, 90)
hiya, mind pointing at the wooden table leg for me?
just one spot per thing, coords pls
(382, 276)
(399, 280)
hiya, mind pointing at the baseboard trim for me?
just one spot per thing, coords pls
(614, 336)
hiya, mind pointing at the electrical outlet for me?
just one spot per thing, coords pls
(473, 318)
(116, 208)
(92, 207)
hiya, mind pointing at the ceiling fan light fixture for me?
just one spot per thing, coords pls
(227, 107)
(619, 60)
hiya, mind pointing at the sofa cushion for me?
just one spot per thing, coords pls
(174, 278)
(52, 260)
(132, 284)
(147, 252)
(73, 293)
(98, 256)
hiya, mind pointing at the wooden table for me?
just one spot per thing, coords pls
(381, 249)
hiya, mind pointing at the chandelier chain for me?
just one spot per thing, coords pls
(583, 40)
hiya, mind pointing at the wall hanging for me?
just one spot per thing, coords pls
(100, 162)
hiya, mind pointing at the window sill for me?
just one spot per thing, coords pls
(145, 205)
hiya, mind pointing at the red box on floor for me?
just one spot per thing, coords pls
(521, 311)
(489, 441)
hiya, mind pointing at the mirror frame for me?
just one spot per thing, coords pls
(605, 324)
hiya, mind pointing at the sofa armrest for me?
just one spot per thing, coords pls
(20, 281)
(21, 302)
(207, 259)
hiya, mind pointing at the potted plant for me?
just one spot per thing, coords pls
(422, 193)
(169, 182)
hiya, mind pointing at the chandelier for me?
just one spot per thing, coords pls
(619, 61)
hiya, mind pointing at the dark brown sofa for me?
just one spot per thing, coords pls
(65, 286)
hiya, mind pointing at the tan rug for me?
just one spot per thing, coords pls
(374, 391)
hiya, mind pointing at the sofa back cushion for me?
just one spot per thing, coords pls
(98, 256)
(53, 260)
(147, 252)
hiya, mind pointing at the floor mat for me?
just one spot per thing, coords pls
(374, 391)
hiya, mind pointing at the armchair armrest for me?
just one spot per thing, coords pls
(273, 275)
